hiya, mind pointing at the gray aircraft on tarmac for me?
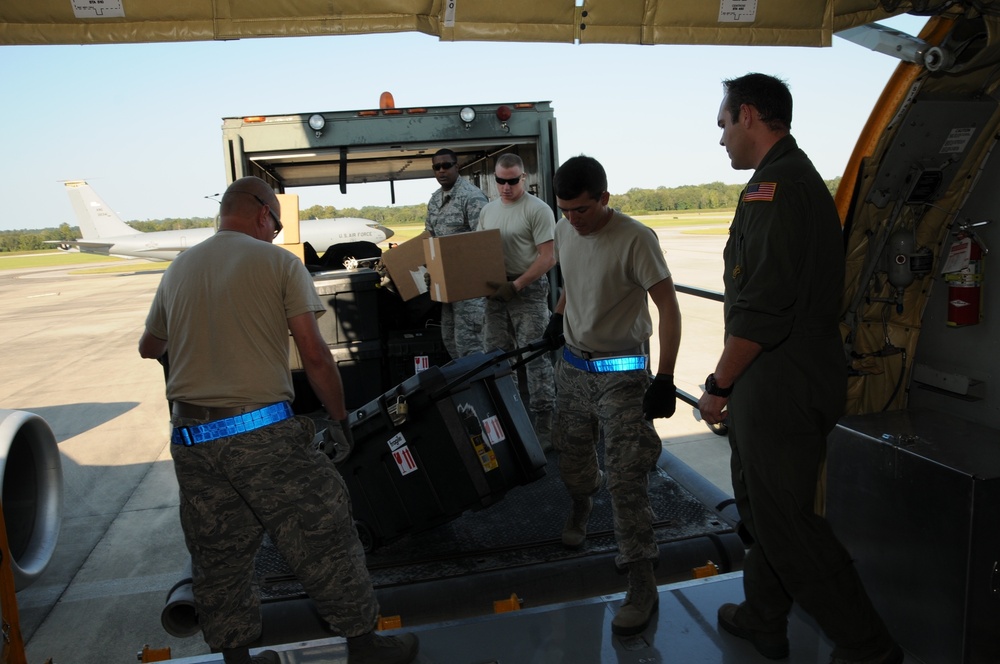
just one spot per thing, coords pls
(105, 233)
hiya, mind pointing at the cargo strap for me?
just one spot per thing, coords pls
(230, 426)
(495, 358)
(606, 364)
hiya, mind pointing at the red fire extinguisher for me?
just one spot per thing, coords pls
(965, 285)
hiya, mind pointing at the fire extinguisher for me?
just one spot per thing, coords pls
(965, 285)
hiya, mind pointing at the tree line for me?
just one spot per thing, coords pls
(635, 201)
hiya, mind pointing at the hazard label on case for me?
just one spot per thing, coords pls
(493, 430)
(401, 454)
(484, 451)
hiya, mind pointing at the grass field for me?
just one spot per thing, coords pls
(47, 258)
(704, 222)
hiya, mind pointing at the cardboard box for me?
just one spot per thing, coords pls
(289, 219)
(405, 264)
(462, 265)
(298, 249)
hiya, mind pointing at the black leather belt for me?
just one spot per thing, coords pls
(210, 413)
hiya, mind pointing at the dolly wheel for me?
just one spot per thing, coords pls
(720, 429)
(367, 537)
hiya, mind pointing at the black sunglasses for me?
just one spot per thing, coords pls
(443, 166)
(510, 181)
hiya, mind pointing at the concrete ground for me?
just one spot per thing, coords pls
(68, 352)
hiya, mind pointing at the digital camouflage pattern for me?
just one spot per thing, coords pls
(279, 484)
(517, 323)
(462, 326)
(456, 210)
(449, 212)
(588, 403)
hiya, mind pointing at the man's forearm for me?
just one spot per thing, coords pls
(544, 261)
(738, 354)
(324, 378)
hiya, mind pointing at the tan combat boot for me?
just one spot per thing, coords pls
(543, 429)
(641, 601)
(575, 531)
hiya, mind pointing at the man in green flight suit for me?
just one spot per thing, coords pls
(782, 375)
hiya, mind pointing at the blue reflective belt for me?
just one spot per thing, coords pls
(606, 364)
(230, 426)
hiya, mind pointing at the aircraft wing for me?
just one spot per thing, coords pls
(155, 252)
(84, 246)
(772, 23)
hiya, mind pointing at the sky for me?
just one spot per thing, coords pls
(142, 122)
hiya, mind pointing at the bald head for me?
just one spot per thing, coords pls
(249, 206)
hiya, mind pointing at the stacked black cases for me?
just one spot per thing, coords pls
(411, 351)
(445, 441)
(350, 326)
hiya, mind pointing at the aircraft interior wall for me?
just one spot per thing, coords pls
(955, 354)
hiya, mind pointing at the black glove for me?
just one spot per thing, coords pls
(660, 399)
(338, 443)
(554, 332)
(505, 292)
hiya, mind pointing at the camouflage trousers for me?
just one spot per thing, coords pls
(517, 323)
(587, 406)
(462, 326)
(234, 489)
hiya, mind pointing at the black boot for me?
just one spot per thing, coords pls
(372, 648)
(241, 655)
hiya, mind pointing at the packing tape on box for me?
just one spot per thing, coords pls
(418, 279)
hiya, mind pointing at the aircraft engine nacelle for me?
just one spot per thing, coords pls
(31, 492)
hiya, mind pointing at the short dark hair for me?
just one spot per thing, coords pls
(509, 160)
(769, 95)
(446, 151)
(578, 175)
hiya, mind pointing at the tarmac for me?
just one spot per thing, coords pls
(68, 348)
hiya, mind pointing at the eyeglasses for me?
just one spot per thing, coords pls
(443, 166)
(511, 181)
(270, 210)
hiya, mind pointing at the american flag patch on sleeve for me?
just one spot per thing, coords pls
(760, 191)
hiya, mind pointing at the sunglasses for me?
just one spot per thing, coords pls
(443, 166)
(511, 181)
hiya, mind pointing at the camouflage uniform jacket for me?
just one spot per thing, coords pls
(456, 210)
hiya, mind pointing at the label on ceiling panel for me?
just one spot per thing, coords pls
(737, 11)
(98, 8)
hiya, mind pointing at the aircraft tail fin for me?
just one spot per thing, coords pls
(96, 219)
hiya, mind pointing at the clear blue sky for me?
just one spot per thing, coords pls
(142, 123)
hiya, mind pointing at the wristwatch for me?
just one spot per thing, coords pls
(711, 387)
